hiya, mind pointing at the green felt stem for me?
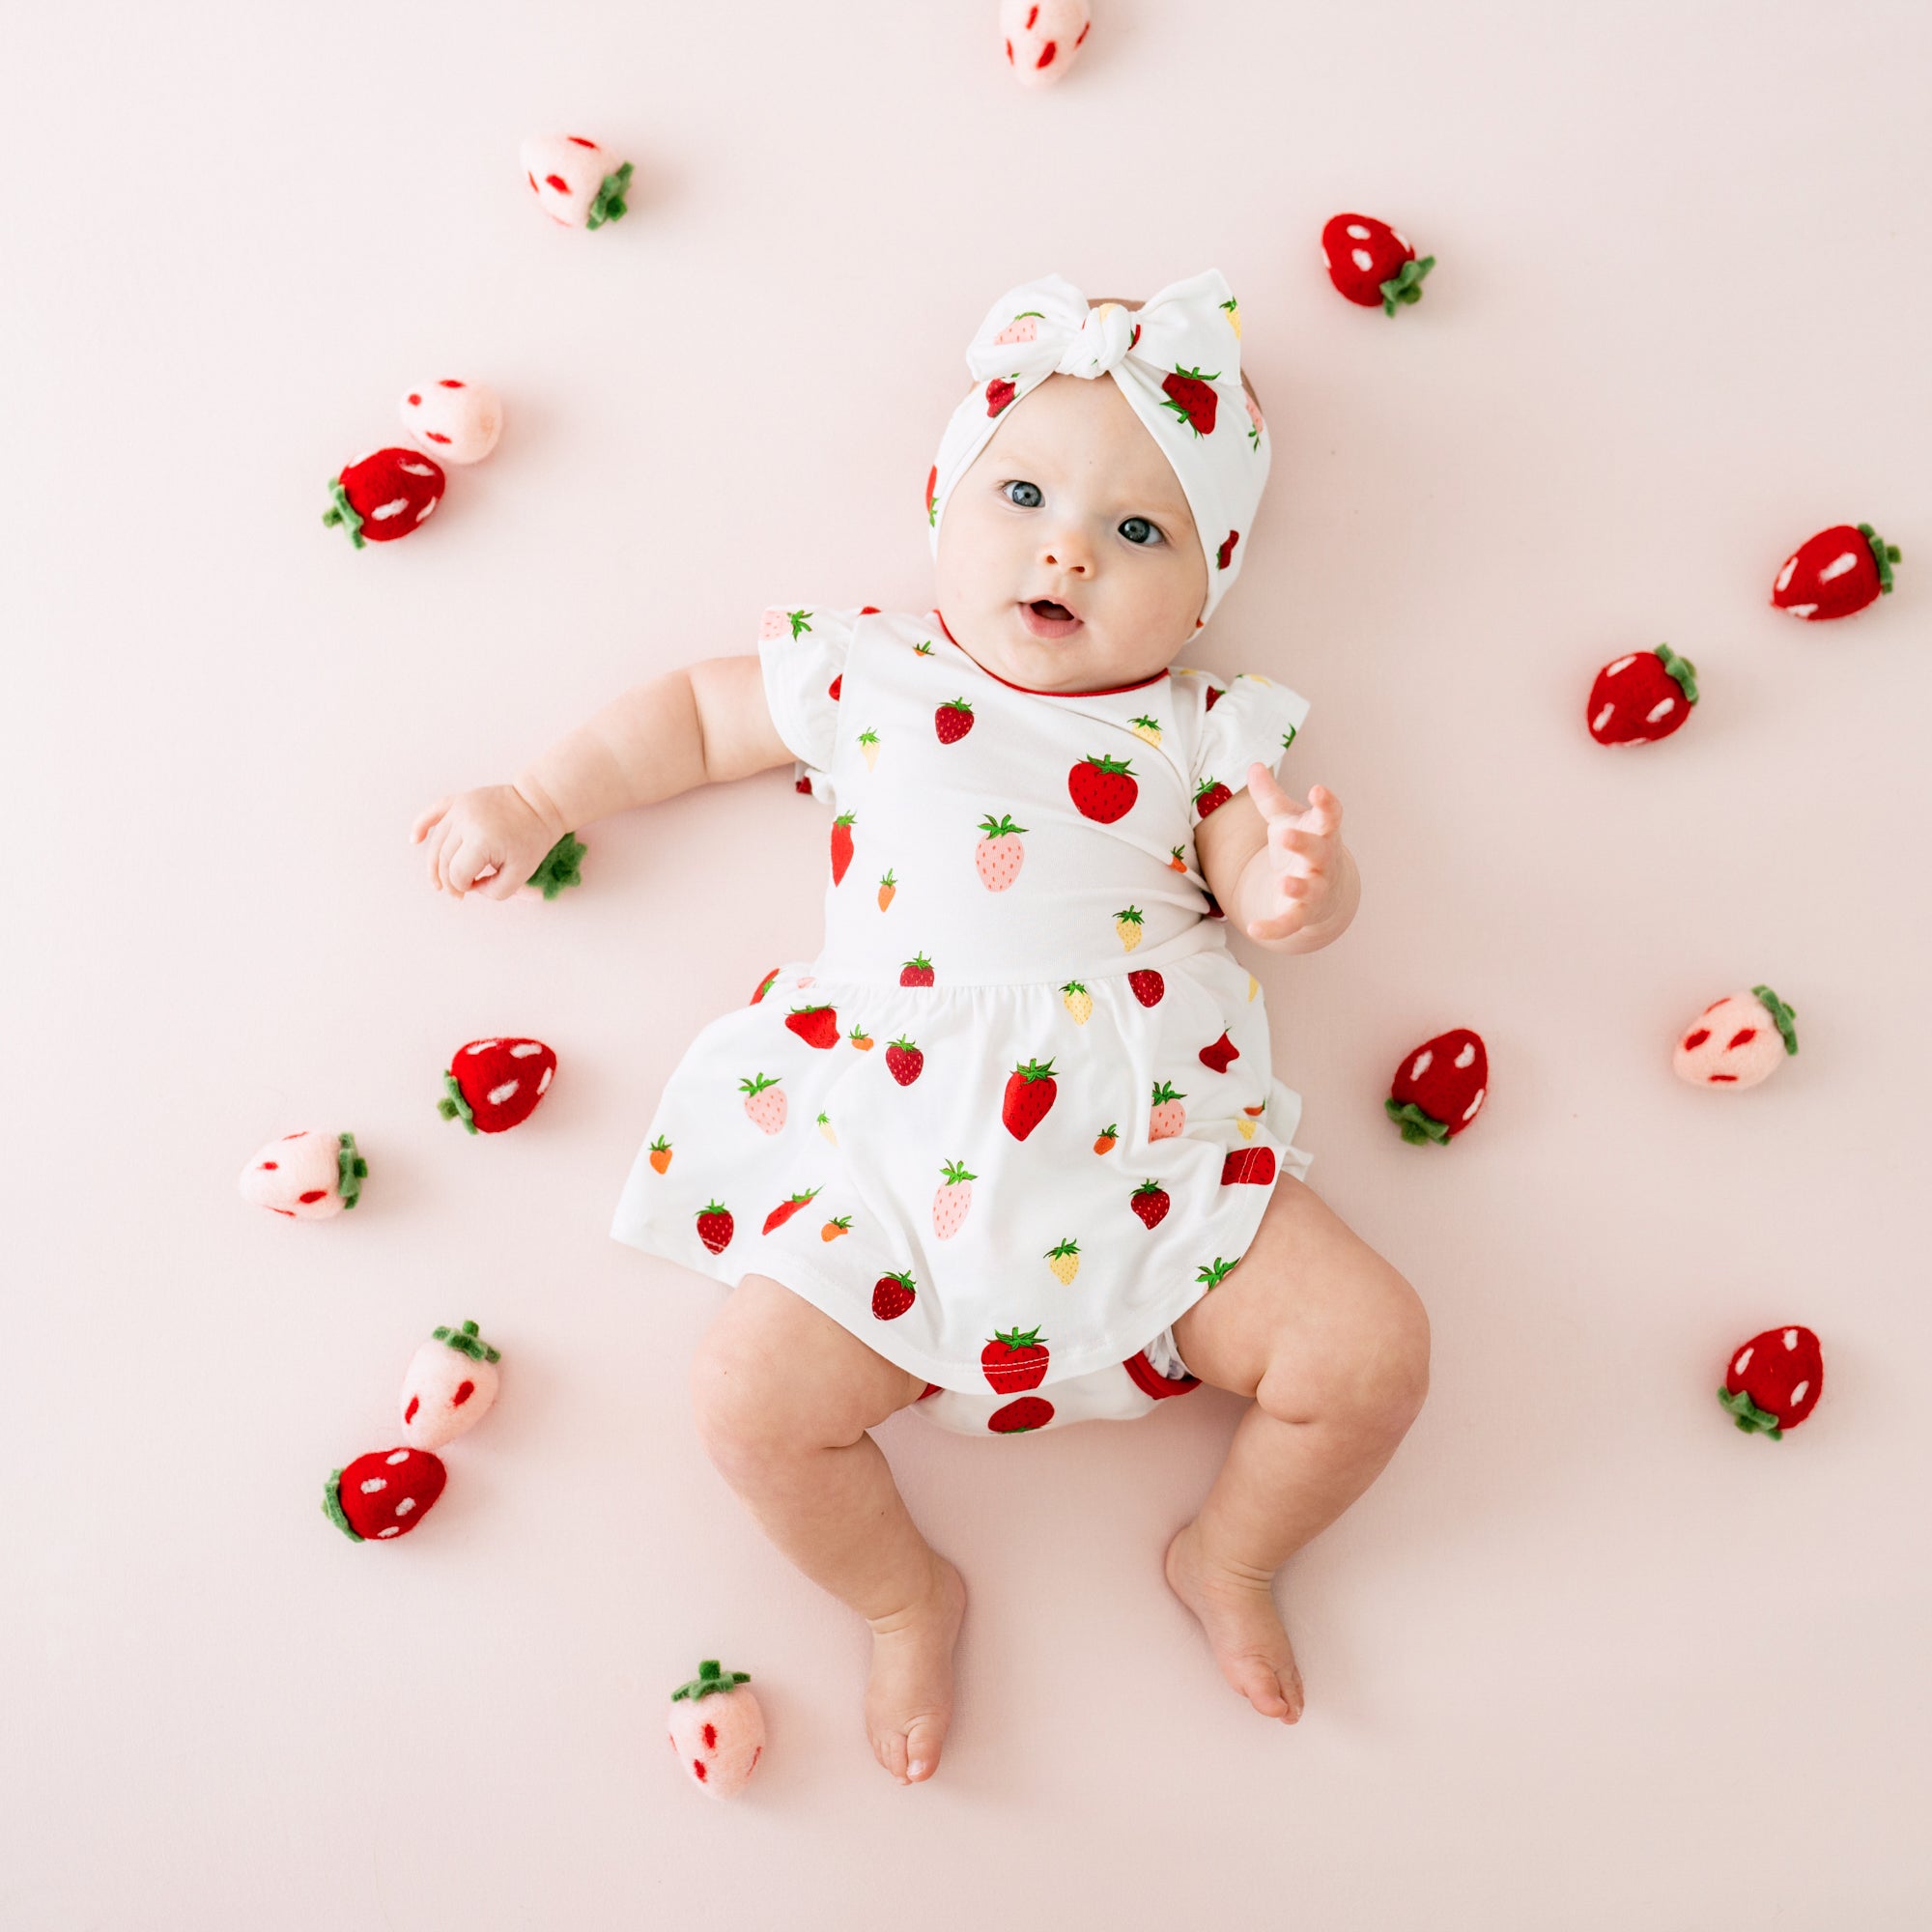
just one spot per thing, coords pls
(1405, 284)
(1748, 1416)
(344, 513)
(1416, 1125)
(710, 1678)
(466, 1341)
(609, 205)
(1779, 1012)
(453, 1106)
(350, 1171)
(1682, 669)
(1884, 554)
(331, 1508)
(560, 866)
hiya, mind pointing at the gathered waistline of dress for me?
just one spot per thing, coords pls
(829, 969)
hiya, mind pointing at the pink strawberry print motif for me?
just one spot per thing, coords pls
(1021, 1080)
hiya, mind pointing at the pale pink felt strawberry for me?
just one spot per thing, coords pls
(1775, 1380)
(715, 1225)
(1439, 1088)
(1371, 264)
(764, 1103)
(955, 1196)
(454, 419)
(1835, 573)
(1168, 1116)
(1735, 1041)
(1041, 38)
(384, 496)
(1014, 1360)
(495, 1085)
(717, 1729)
(384, 1495)
(1641, 697)
(576, 183)
(449, 1386)
(305, 1176)
(999, 854)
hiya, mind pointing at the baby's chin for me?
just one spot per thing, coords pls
(1084, 660)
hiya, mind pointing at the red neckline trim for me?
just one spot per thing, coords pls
(1032, 691)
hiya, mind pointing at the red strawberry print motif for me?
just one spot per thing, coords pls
(1835, 573)
(1150, 1380)
(384, 1494)
(1775, 1380)
(1371, 264)
(1103, 788)
(816, 1026)
(1147, 986)
(1250, 1166)
(931, 490)
(1226, 549)
(384, 495)
(836, 688)
(1641, 697)
(802, 784)
(841, 846)
(916, 971)
(1211, 796)
(765, 986)
(953, 721)
(891, 1295)
(999, 392)
(1024, 1413)
(1220, 1055)
(904, 1062)
(494, 1085)
(1193, 398)
(1439, 1088)
(1151, 1202)
(1014, 1360)
(715, 1225)
(785, 1210)
(1031, 1089)
(1215, 693)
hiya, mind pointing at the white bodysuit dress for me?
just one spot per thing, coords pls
(1019, 1113)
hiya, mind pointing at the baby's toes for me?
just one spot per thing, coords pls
(923, 1736)
(1274, 1690)
(890, 1749)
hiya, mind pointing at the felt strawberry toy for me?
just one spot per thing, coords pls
(574, 181)
(717, 1729)
(382, 1494)
(1641, 697)
(1371, 264)
(1030, 1093)
(1775, 1380)
(384, 496)
(305, 1177)
(561, 866)
(495, 1085)
(1439, 1088)
(1835, 573)
(449, 1387)
(1735, 1041)
(1041, 37)
(1014, 1360)
(455, 421)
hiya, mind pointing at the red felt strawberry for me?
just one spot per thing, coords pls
(1211, 796)
(384, 495)
(1220, 1054)
(1147, 986)
(785, 1210)
(1030, 1093)
(1837, 572)
(1439, 1088)
(953, 721)
(765, 986)
(1192, 397)
(1014, 1360)
(1104, 789)
(1641, 697)
(891, 1295)
(1016, 1417)
(1775, 1380)
(916, 972)
(904, 1060)
(495, 1085)
(384, 1495)
(715, 1227)
(842, 844)
(816, 1026)
(1151, 1202)
(1253, 1166)
(1371, 264)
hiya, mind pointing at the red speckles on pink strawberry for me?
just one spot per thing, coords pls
(557, 183)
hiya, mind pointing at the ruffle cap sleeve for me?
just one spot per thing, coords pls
(802, 651)
(1241, 720)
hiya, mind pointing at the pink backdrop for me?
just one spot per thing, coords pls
(1585, 1656)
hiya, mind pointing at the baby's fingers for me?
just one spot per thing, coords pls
(439, 838)
(468, 858)
(429, 818)
(1267, 794)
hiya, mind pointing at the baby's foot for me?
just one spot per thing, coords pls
(1238, 1612)
(909, 1698)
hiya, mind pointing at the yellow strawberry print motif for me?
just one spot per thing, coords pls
(1064, 1261)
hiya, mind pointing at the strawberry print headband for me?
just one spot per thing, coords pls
(1178, 360)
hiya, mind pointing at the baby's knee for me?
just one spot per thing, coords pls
(1373, 1372)
(739, 1400)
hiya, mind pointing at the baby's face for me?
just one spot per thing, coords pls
(1072, 500)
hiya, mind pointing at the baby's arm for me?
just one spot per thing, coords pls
(1279, 868)
(700, 726)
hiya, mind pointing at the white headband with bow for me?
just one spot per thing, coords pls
(1177, 360)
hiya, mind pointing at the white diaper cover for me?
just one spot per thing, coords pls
(1118, 1392)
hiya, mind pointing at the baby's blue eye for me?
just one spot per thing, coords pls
(1127, 526)
(1017, 484)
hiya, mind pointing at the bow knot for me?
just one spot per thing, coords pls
(1100, 342)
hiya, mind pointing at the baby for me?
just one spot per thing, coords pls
(1009, 1151)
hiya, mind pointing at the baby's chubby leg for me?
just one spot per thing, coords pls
(1333, 1345)
(783, 1398)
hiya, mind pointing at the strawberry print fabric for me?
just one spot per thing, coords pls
(1018, 1114)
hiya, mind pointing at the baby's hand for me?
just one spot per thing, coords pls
(489, 839)
(1301, 852)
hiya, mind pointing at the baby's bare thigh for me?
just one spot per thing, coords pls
(772, 1362)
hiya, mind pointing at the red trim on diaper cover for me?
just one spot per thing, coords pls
(1105, 691)
(1150, 1380)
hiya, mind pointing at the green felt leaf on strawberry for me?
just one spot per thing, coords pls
(1774, 1380)
(494, 1085)
(1836, 574)
(384, 1495)
(1439, 1088)
(1641, 697)
(1371, 264)
(384, 496)
(561, 866)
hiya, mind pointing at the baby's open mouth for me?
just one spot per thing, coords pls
(1045, 618)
